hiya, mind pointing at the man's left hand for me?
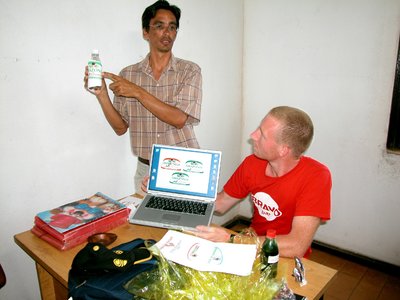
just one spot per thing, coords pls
(122, 87)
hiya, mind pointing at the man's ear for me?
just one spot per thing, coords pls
(284, 150)
(145, 34)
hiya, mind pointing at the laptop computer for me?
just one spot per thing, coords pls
(186, 180)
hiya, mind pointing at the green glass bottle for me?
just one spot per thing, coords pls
(270, 254)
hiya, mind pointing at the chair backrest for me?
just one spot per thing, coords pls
(2, 277)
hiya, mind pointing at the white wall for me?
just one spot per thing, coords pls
(56, 144)
(336, 60)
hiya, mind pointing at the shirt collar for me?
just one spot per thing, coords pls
(145, 64)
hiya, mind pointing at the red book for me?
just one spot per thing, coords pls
(79, 219)
(86, 229)
(77, 240)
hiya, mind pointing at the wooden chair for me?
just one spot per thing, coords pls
(2, 277)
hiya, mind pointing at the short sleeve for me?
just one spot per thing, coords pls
(189, 97)
(315, 197)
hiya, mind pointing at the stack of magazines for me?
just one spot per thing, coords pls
(71, 224)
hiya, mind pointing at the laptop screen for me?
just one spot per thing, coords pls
(184, 171)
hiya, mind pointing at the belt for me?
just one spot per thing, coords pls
(144, 161)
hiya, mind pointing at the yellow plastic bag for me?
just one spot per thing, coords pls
(172, 281)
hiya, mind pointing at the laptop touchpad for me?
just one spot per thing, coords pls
(170, 217)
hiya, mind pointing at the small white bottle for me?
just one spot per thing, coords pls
(95, 69)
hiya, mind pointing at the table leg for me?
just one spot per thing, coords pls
(50, 288)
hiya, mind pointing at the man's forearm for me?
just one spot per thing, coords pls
(171, 115)
(224, 202)
(163, 111)
(112, 116)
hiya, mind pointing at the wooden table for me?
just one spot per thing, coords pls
(53, 265)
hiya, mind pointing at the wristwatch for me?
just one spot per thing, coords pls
(232, 238)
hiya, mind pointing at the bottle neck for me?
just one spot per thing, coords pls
(271, 234)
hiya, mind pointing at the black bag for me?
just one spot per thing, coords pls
(100, 273)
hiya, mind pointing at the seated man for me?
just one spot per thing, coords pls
(290, 192)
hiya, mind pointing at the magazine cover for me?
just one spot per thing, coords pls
(80, 212)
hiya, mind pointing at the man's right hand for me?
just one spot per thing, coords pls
(113, 117)
(144, 183)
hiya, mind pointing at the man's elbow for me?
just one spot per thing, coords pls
(120, 131)
(292, 252)
(180, 122)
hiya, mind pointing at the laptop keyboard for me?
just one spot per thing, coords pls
(184, 206)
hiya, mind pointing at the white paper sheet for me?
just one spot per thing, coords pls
(203, 255)
(132, 203)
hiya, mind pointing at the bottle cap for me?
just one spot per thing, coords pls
(95, 51)
(271, 233)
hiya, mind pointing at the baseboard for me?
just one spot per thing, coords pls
(358, 258)
(352, 256)
(238, 220)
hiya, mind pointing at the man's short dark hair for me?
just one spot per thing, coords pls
(151, 11)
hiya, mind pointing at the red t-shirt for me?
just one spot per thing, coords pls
(304, 191)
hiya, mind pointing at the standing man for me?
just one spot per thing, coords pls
(291, 193)
(157, 99)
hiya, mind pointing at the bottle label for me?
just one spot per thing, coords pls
(273, 259)
(94, 73)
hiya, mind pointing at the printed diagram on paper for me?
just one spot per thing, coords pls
(203, 255)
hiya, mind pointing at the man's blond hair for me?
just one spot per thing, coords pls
(296, 129)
